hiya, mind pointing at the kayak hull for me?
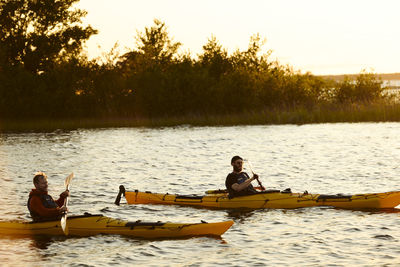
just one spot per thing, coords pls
(270, 200)
(88, 225)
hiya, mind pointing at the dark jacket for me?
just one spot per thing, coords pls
(238, 178)
(43, 207)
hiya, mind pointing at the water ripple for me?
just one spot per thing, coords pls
(321, 158)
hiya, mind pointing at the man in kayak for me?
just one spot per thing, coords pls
(238, 182)
(41, 205)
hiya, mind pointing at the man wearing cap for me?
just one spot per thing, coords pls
(238, 182)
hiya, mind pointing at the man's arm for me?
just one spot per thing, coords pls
(63, 195)
(239, 187)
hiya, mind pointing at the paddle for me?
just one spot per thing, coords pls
(64, 217)
(120, 193)
(251, 169)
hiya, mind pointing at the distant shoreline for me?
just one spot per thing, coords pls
(383, 76)
(332, 114)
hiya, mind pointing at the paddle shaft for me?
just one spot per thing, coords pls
(258, 180)
(66, 199)
(64, 217)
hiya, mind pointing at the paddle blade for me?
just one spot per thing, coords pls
(64, 224)
(68, 179)
(121, 191)
(64, 217)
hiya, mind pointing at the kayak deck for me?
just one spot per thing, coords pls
(88, 225)
(273, 199)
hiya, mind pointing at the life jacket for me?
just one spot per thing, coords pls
(47, 201)
(239, 178)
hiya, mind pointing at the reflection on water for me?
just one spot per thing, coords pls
(239, 215)
(44, 242)
(324, 158)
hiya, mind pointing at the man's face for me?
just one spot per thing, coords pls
(42, 184)
(237, 165)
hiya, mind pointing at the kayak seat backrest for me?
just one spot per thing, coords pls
(332, 197)
(287, 191)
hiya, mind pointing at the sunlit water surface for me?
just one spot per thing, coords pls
(321, 158)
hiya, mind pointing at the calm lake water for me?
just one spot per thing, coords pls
(320, 158)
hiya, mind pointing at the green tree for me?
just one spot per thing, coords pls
(367, 87)
(250, 59)
(38, 33)
(344, 91)
(215, 58)
(146, 69)
(154, 46)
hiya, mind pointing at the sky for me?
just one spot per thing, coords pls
(317, 36)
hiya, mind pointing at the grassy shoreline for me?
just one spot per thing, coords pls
(352, 113)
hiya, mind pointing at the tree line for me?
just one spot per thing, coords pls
(44, 73)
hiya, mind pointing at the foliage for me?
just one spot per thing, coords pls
(37, 34)
(366, 88)
(43, 74)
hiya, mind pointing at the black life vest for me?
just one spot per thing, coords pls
(238, 178)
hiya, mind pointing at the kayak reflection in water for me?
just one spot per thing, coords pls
(238, 182)
(41, 205)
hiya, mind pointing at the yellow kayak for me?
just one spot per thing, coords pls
(87, 225)
(272, 199)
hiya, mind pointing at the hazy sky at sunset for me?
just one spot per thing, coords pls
(320, 36)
